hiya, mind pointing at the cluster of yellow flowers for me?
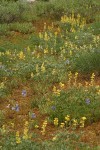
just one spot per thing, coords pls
(18, 139)
(2, 86)
(46, 51)
(67, 119)
(54, 71)
(44, 127)
(82, 121)
(36, 126)
(75, 78)
(56, 91)
(56, 121)
(73, 21)
(73, 122)
(12, 125)
(69, 78)
(26, 134)
(21, 55)
(32, 74)
(61, 85)
(92, 79)
(3, 129)
(62, 125)
(43, 67)
(26, 130)
(46, 37)
(54, 138)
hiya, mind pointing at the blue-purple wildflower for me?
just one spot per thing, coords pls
(67, 62)
(24, 93)
(53, 108)
(33, 115)
(87, 101)
(16, 108)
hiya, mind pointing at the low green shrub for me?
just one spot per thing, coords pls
(2, 117)
(4, 29)
(94, 28)
(62, 140)
(9, 12)
(87, 62)
(15, 11)
(21, 27)
(75, 102)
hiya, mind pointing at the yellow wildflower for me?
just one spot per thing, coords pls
(58, 92)
(46, 51)
(26, 129)
(69, 77)
(82, 121)
(43, 68)
(67, 118)
(46, 37)
(81, 124)
(61, 84)
(56, 121)
(40, 35)
(83, 118)
(18, 139)
(44, 127)
(62, 125)
(75, 122)
(54, 138)
(43, 131)
(28, 49)
(92, 79)
(37, 68)
(53, 72)
(2, 85)
(12, 125)
(98, 92)
(54, 89)
(36, 126)
(75, 77)
(32, 75)
(8, 52)
(21, 55)
(3, 129)
(56, 33)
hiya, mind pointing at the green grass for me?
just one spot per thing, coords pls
(64, 140)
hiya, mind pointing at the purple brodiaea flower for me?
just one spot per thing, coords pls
(2, 66)
(87, 101)
(24, 93)
(53, 108)
(16, 108)
(33, 115)
(67, 62)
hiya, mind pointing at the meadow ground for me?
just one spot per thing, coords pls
(50, 78)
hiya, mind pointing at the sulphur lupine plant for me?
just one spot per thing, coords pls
(43, 131)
